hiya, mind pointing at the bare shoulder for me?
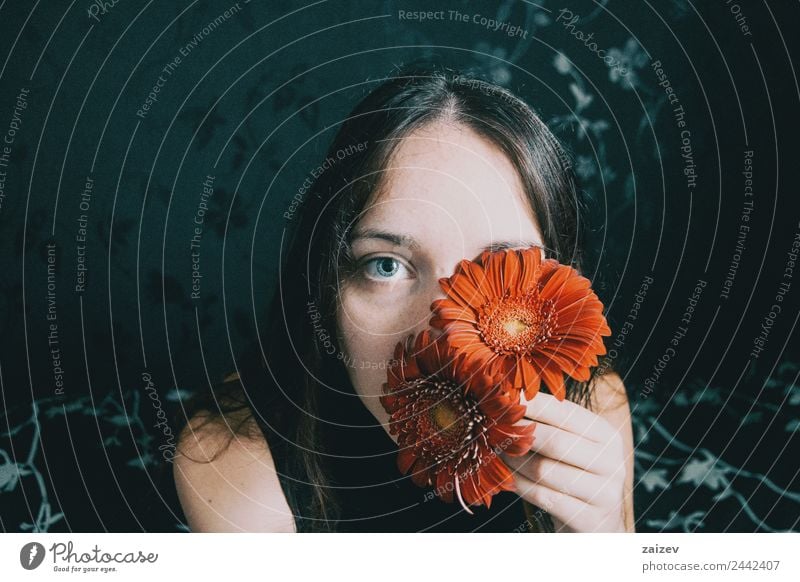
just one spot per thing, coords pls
(227, 482)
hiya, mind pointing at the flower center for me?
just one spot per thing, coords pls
(444, 415)
(513, 325)
(448, 423)
(444, 425)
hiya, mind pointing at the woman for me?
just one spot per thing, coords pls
(430, 168)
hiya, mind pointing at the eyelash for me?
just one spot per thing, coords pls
(375, 260)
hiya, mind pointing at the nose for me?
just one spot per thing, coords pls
(436, 293)
(442, 272)
(423, 311)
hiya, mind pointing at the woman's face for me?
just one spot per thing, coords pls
(447, 194)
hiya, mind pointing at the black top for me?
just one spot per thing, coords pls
(374, 496)
(361, 463)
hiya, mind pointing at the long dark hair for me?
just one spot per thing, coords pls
(279, 381)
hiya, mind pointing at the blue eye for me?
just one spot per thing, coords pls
(383, 268)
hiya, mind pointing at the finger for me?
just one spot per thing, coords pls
(569, 416)
(564, 507)
(559, 476)
(558, 444)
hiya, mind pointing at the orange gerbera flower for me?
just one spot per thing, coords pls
(527, 320)
(452, 423)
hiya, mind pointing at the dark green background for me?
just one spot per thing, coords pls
(255, 104)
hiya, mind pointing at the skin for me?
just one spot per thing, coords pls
(449, 194)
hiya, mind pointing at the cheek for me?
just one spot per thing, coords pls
(380, 317)
(368, 333)
(368, 329)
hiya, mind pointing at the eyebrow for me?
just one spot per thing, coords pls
(404, 240)
(400, 240)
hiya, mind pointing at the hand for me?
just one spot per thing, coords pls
(576, 468)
